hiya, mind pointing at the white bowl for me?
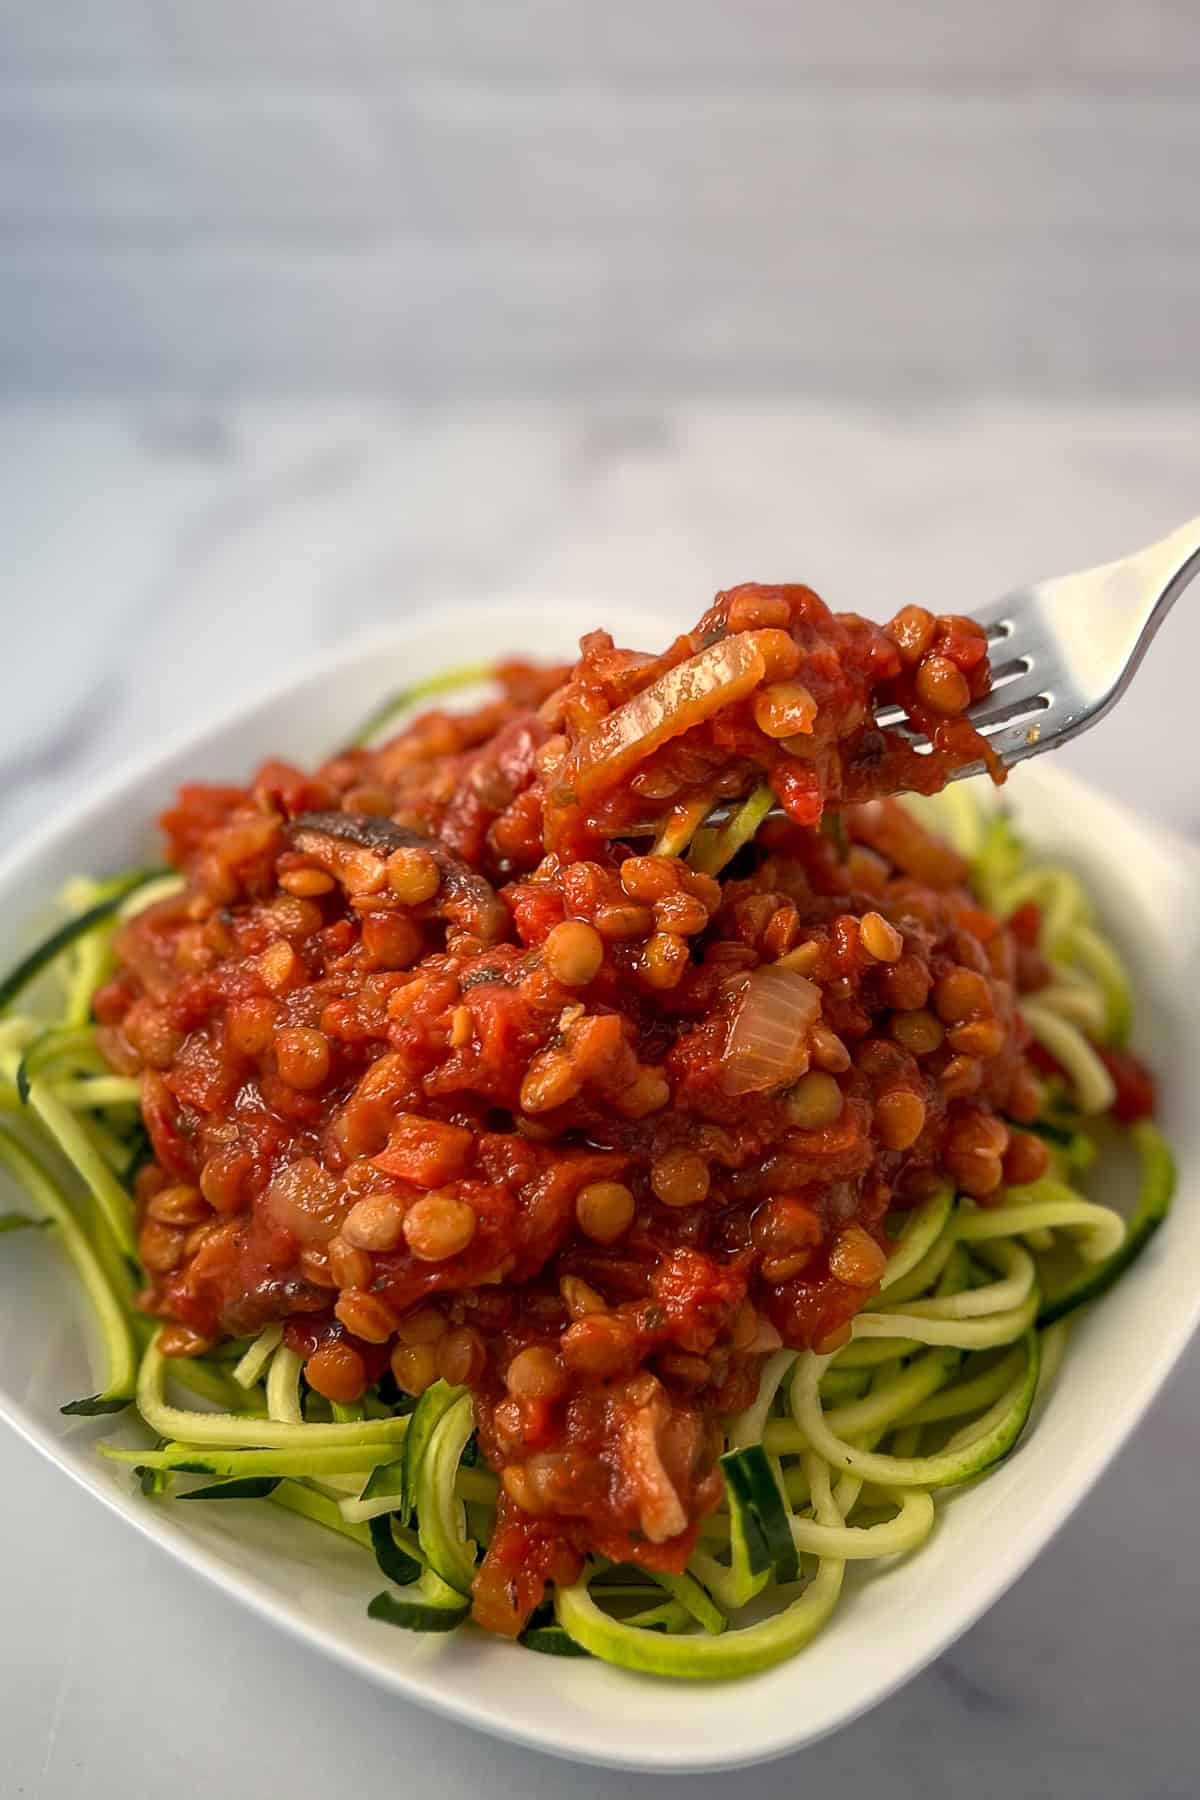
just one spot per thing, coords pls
(892, 1622)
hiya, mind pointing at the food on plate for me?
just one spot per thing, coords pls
(612, 1151)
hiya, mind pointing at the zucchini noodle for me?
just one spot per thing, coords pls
(1052, 1205)
(975, 1394)
(711, 850)
(986, 1441)
(1095, 957)
(298, 1497)
(230, 1429)
(838, 1458)
(963, 1334)
(680, 828)
(109, 1306)
(283, 1387)
(1009, 1293)
(748, 1426)
(863, 1543)
(389, 711)
(251, 1365)
(924, 1231)
(1066, 1043)
(1078, 1002)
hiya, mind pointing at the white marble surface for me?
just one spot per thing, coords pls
(132, 543)
(864, 196)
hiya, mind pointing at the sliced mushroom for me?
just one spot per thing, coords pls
(466, 898)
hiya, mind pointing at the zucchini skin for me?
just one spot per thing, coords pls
(43, 954)
(551, 1640)
(1154, 1203)
(749, 1474)
(427, 1605)
(701, 1658)
(430, 1409)
(394, 1563)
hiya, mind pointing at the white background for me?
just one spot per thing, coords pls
(460, 195)
(312, 316)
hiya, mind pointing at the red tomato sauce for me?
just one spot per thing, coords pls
(444, 1069)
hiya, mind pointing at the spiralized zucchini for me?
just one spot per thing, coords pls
(838, 1459)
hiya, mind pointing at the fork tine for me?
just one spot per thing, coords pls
(1016, 714)
(892, 719)
(1022, 698)
(1000, 620)
(1014, 741)
(999, 616)
(1006, 672)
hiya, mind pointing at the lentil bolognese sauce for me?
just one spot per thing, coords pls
(483, 1059)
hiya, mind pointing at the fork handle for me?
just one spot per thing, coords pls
(1163, 570)
(1114, 611)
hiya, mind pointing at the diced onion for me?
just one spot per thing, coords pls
(767, 1044)
(683, 696)
(660, 1510)
(306, 1200)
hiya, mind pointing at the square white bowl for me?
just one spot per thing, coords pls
(893, 1621)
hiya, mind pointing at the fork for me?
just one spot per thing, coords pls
(1064, 651)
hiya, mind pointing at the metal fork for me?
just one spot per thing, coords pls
(1064, 651)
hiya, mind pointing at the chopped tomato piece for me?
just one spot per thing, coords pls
(1136, 1094)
